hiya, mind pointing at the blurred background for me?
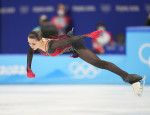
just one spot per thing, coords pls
(125, 41)
(125, 26)
(18, 18)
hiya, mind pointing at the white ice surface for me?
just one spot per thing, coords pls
(73, 100)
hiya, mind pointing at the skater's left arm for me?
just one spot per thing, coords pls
(29, 61)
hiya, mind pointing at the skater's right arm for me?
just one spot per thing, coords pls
(29, 61)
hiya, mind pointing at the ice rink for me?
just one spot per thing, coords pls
(73, 100)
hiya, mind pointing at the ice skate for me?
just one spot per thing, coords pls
(135, 81)
(138, 86)
(70, 33)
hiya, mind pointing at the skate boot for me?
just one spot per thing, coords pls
(135, 81)
(70, 33)
(75, 52)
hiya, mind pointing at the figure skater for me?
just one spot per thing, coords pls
(48, 43)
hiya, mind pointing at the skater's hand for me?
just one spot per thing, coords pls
(30, 74)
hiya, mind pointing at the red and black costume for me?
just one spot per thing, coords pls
(63, 42)
(60, 44)
(51, 51)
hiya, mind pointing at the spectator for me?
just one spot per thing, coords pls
(61, 20)
(147, 22)
(104, 39)
(42, 19)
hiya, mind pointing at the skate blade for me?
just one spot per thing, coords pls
(138, 88)
(142, 87)
(72, 28)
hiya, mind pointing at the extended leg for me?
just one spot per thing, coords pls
(91, 58)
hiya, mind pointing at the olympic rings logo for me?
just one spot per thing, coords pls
(83, 70)
(140, 54)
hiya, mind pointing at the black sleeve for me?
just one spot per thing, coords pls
(29, 57)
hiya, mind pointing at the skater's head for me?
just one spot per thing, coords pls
(35, 39)
(48, 30)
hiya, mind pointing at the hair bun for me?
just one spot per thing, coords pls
(48, 30)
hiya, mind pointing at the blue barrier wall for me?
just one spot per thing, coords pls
(57, 70)
(19, 17)
(138, 50)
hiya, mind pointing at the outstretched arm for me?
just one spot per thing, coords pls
(29, 61)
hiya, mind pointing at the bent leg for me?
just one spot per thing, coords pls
(72, 39)
(65, 42)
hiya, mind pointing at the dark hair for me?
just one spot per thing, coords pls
(35, 35)
(48, 30)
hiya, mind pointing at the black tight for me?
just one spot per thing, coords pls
(91, 58)
(65, 42)
(87, 55)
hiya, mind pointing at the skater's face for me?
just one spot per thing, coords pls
(34, 44)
